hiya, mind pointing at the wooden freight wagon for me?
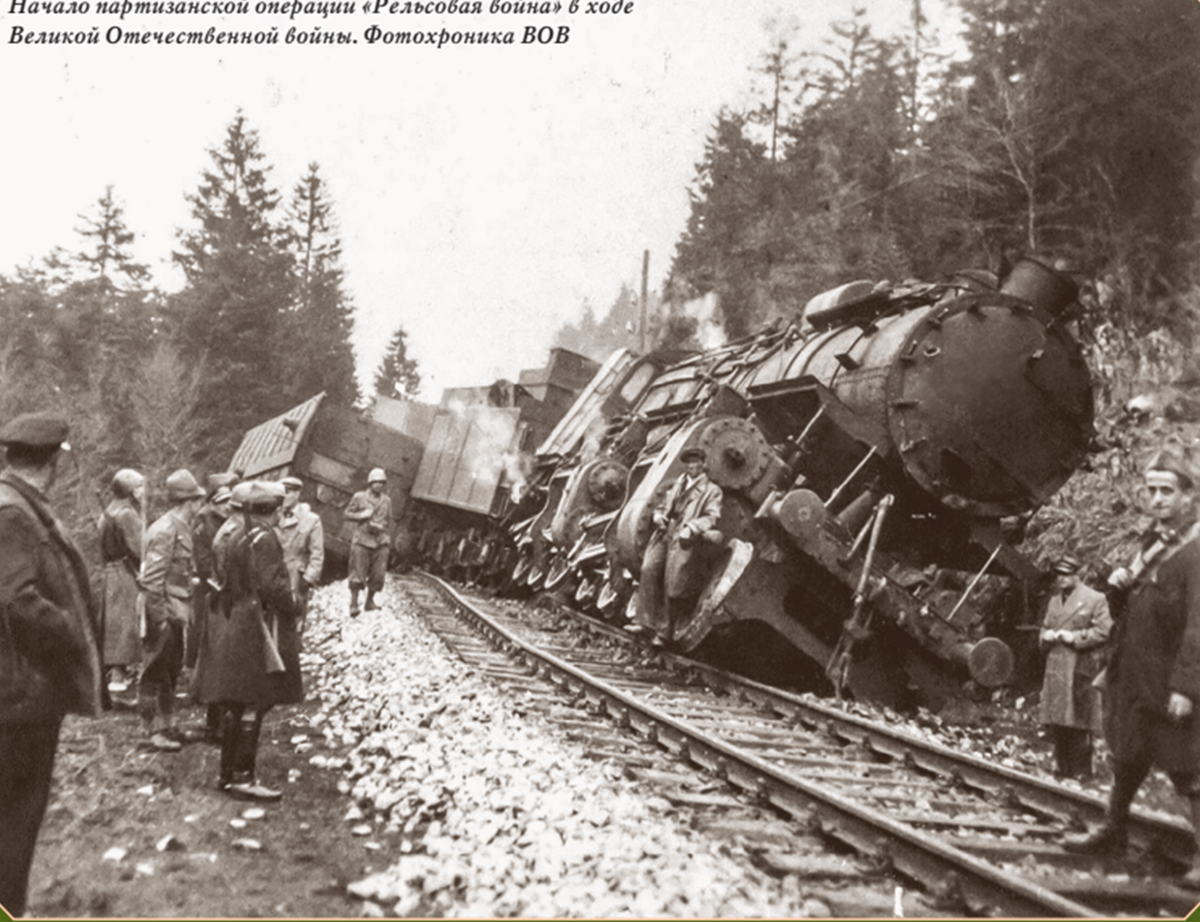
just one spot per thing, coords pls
(332, 449)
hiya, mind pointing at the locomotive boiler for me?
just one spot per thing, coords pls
(874, 455)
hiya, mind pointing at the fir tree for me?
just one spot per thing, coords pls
(397, 375)
(240, 286)
(318, 354)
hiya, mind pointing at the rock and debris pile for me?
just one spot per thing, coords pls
(481, 810)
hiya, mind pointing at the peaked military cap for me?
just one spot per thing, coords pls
(263, 494)
(292, 483)
(693, 454)
(223, 494)
(35, 430)
(182, 485)
(1173, 462)
(377, 475)
(237, 496)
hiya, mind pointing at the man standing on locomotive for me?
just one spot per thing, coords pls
(672, 565)
(371, 510)
(1075, 627)
(1152, 684)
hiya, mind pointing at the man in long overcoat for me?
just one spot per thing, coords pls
(1074, 630)
(303, 539)
(673, 563)
(257, 661)
(168, 582)
(1152, 685)
(209, 520)
(121, 553)
(49, 642)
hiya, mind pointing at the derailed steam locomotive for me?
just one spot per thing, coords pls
(874, 456)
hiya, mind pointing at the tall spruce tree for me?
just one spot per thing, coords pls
(318, 355)
(240, 285)
(397, 375)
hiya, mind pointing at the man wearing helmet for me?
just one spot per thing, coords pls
(371, 511)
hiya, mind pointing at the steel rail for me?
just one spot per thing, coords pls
(985, 888)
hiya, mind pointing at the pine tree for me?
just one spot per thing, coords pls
(318, 354)
(397, 375)
(240, 286)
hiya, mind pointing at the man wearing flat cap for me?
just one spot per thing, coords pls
(1074, 630)
(168, 583)
(673, 563)
(371, 511)
(121, 528)
(49, 641)
(1152, 684)
(256, 661)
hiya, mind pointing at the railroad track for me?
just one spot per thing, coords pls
(981, 837)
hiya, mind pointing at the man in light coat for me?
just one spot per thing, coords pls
(1075, 628)
(673, 563)
(121, 528)
(303, 539)
(49, 641)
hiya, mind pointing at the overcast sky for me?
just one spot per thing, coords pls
(483, 193)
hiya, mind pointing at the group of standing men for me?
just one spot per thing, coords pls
(219, 582)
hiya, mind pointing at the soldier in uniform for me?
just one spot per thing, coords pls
(371, 510)
(672, 565)
(1152, 684)
(1074, 630)
(213, 514)
(303, 539)
(49, 641)
(121, 552)
(168, 581)
(256, 663)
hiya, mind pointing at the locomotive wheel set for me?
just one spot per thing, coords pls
(872, 455)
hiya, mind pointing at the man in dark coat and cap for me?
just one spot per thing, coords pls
(121, 528)
(256, 662)
(1152, 685)
(49, 641)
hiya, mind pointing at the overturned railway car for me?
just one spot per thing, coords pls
(873, 455)
(332, 449)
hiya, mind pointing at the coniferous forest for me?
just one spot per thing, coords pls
(1064, 130)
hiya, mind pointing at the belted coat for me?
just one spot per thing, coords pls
(1156, 652)
(256, 657)
(121, 553)
(49, 620)
(1068, 698)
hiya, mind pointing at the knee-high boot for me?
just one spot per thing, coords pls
(231, 733)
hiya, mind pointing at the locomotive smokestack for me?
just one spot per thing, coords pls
(1041, 286)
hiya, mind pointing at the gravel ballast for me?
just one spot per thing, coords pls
(483, 809)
